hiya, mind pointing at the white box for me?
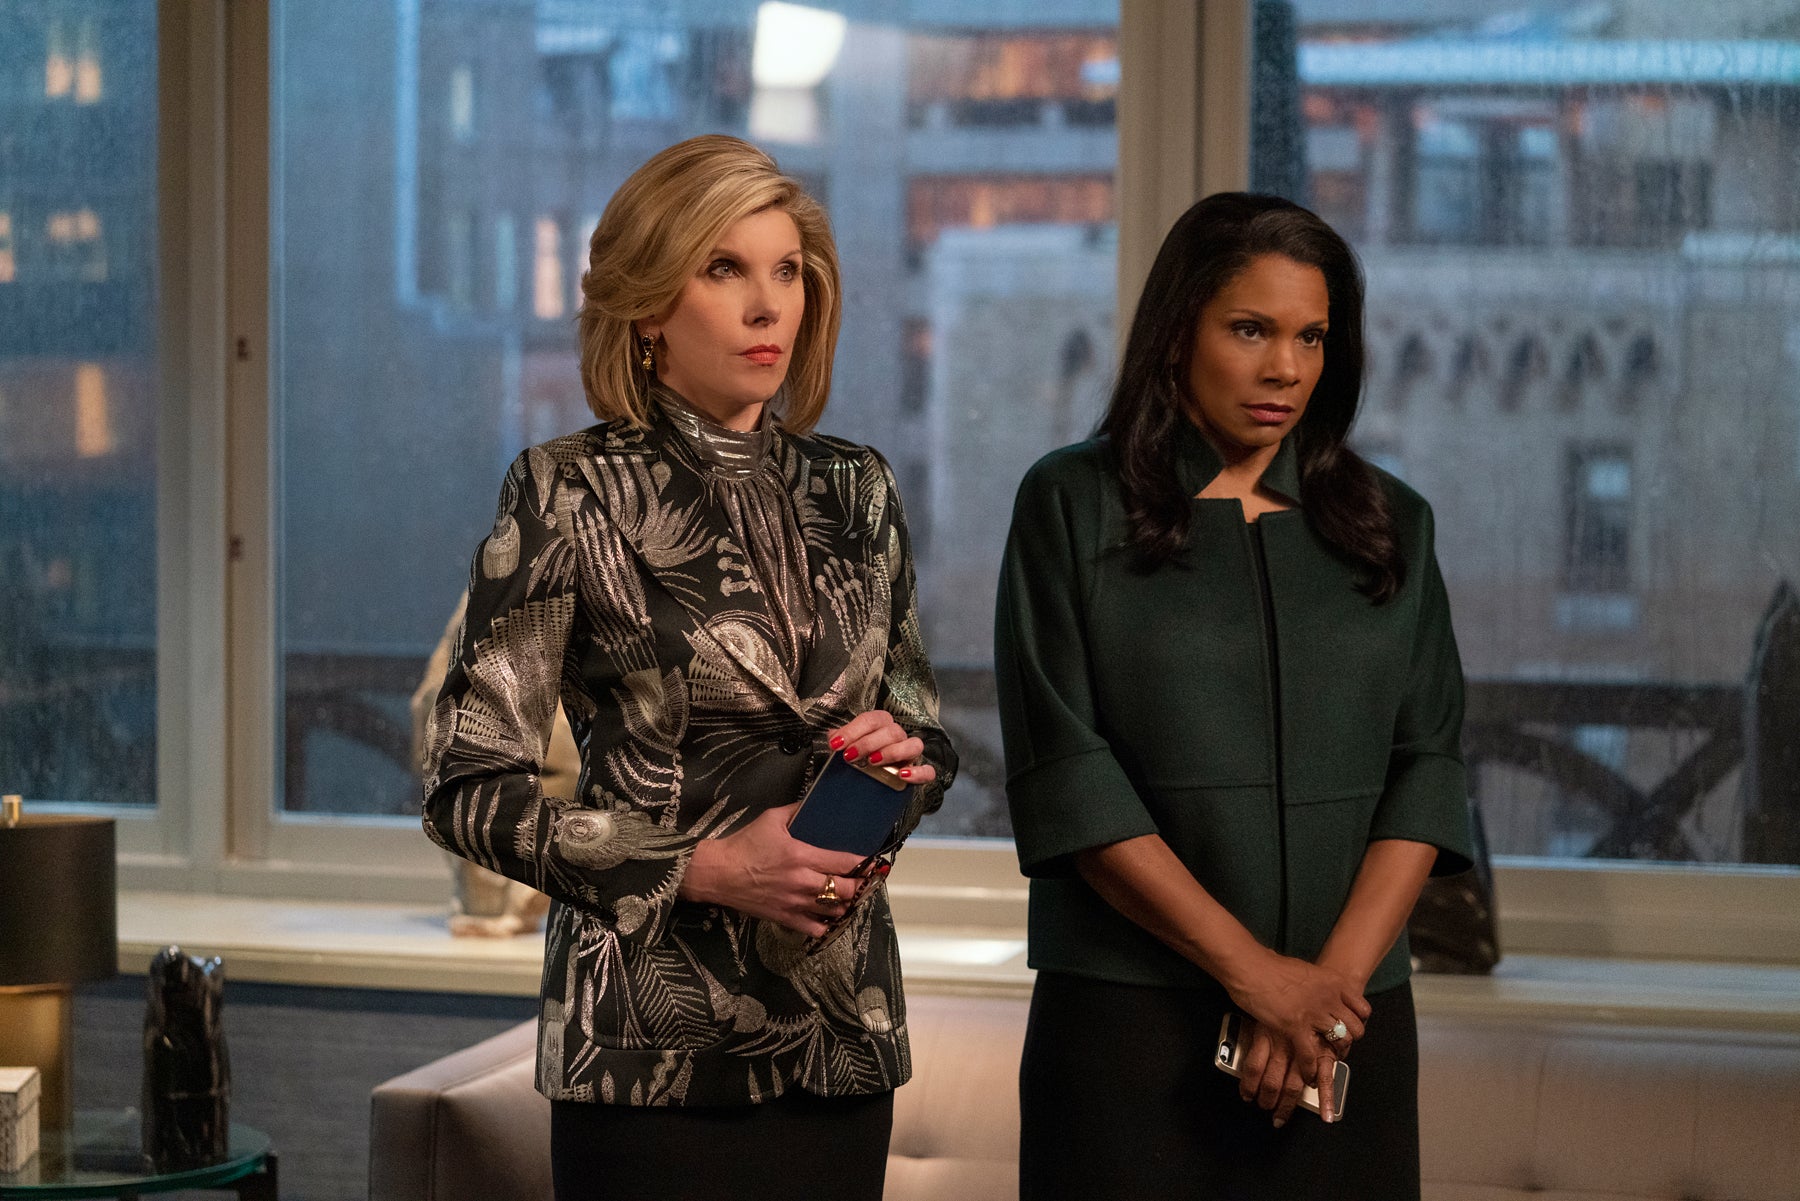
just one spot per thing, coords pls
(18, 1117)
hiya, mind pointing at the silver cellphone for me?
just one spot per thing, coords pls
(1231, 1051)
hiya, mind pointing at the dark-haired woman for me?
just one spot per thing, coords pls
(1231, 703)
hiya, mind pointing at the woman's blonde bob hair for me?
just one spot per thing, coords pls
(657, 232)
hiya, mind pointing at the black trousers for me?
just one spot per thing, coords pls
(1119, 1099)
(796, 1146)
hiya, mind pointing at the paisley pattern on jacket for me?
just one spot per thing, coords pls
(614, 578)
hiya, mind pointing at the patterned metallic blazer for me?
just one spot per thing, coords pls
(612, 581)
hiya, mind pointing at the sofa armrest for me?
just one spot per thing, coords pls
(468, 1127)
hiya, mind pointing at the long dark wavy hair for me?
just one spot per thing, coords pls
(1207, 248)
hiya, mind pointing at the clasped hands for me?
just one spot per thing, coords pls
(1292, 1008)
(762, 871)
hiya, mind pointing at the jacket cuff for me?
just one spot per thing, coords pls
(1075, 802)
(1427, 800)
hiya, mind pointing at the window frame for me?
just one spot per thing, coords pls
(1183, 131)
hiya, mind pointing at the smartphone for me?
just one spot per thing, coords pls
(851, 807)
(1231, 1051)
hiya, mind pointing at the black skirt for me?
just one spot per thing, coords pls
(1119, 1098)
(798, 1145)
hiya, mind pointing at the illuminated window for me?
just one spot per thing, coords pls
(93, 415)
(462, 103)
(59, 68)
(938, 203)
(76, 250)
(76, 225)
(87, 65)
(1013, 79)
(547, 294)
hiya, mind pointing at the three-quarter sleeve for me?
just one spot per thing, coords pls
(909, 690)
(1425, 798)
(490, 729)
(1066, 790)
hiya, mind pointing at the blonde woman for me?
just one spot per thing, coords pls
(721, 600)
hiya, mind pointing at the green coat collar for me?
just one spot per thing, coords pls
(1197, 463)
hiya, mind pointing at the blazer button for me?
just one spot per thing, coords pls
(791, 744)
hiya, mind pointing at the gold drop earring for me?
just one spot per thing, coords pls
(644, 344)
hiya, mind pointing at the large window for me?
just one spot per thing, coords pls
(268, 338)
(1579, 231)
(438, 167)
(78, 401)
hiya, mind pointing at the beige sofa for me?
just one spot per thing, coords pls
(1569, 1112)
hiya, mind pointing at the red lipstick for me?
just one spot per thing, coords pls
(762, 356)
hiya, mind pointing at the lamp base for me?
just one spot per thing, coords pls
(37, 1031)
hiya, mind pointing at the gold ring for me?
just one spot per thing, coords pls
(829, 892)
(1337, 1034)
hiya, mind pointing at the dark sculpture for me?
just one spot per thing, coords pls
(187, 1074)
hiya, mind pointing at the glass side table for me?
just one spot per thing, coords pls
(101, 1157)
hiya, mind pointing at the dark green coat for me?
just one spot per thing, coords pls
(1135, 703)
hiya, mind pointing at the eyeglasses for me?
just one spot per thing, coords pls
(871, 871)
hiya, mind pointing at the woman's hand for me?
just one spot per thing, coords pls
(763, 872)
(874, 737)
(1267, 1079)
(1293, 1004)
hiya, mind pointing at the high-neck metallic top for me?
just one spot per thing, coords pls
(743, 470)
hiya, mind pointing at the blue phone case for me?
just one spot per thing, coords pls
(851, 808)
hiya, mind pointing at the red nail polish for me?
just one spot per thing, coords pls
(850, 753)
(837, 743)
(875, 757)
(906, 773)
